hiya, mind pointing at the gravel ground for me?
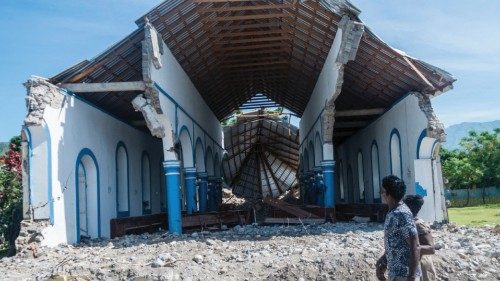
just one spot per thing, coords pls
(341, 251)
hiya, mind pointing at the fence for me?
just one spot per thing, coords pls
(458, 197)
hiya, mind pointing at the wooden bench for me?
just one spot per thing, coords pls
(375, 211)
(152, 223)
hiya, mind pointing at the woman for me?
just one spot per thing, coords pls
(414, 203)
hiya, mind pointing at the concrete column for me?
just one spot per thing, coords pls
(203, 191)
(190, 186)
(329, 198)
(172, 178)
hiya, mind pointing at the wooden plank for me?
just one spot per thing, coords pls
(253, 40)
(293, 210)
(359, 112)
(245, 8)
(293, 221)
(248, 17)
(248, 33)
(104, 87)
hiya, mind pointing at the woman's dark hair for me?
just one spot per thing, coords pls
(414, 202)
(394, 187)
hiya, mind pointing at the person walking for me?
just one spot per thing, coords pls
(426, 241)
(402, 255)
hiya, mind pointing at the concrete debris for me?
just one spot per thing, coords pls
(40, 94)
(154, 44)
(351, 36)
(341, 251)
(154, 121)
(435, 129)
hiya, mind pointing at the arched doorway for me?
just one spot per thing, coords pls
(87, 196)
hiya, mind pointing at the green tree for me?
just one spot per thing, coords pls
(11, 195)
(475, 164)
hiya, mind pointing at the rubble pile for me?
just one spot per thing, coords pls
(341, 251)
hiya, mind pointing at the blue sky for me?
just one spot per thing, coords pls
(43, 37)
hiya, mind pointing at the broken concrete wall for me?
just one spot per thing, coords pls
(40, 94)
(321, 106)
(435, 129)
(172, 93)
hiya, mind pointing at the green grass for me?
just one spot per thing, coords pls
(476, 216)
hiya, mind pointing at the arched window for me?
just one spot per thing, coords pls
(375, 172)
(361, 177)
(146, 184)
(87, 196)
(122, 184)
(341, 182)
(395, 153)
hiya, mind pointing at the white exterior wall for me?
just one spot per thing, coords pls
(184, 106)
(410, 121)
(79, 125)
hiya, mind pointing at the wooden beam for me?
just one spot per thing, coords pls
(248, 33)
(350, 124)
(248, 17)
(245, 8)
(343, 134)
(253, 40)
(359, 112)
(104, 87)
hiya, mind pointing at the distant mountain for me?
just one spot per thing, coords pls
(4, 147)
(456, 132)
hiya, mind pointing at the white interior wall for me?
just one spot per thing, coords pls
(404, 116)
(78, 125)
(323, 91)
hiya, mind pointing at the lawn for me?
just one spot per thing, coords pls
(477, 215)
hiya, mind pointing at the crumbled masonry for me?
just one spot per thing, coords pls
(153, 119)
(351, 37)
(435, 129)
(40, 94)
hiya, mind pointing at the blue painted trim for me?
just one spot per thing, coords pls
(328, 175)
(306, 159)
(422, 135)
(176, 120)
(124, 213)
(341, 180)
(198, 140)
(49, 174)
(146, 211)
(184, 127)
(185, 112)
(396, 132)
(374, 143)
(360, 152)
(89, 153)
(217, 165)
(311, 152)
(312, 127)
(30, 162)
(321, 145)
(190, 185)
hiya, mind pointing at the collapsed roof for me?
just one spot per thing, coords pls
(277, 48)
(262, 155)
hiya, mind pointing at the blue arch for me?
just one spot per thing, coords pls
(30, 160)
(306, 160)
(87, 152)
(318, 136)
(362, 168)
(125, 213)
(374, 143)
(311, 152)
(145, 211)
(217, 165)
(396, 132)
(422, 135)
(185, 128)
(198, 140)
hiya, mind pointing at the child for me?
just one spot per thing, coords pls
(414, 203)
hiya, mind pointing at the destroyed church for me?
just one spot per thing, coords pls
(132, 140)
